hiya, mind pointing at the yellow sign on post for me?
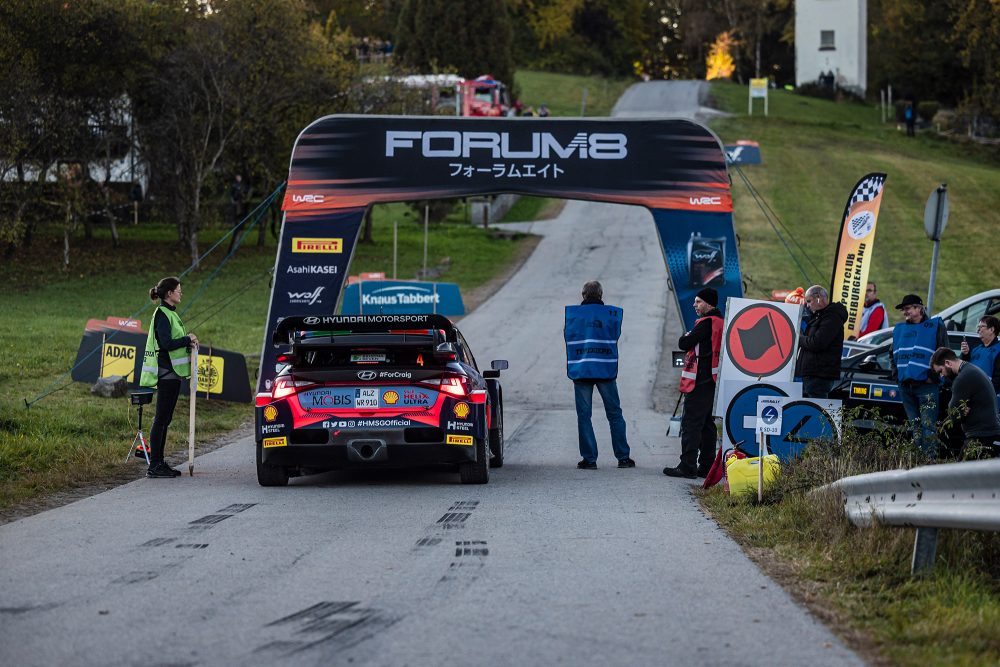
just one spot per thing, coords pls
(758, 88)
(210, 374)
(117, 360)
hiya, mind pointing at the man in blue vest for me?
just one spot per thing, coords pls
(592, 331)
(913, 342)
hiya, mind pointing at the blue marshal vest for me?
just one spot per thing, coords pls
(912, 347)
(986, 358)
(592, 332)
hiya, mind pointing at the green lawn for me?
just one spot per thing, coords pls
(814, 151)
(70, 437)
(563, 93)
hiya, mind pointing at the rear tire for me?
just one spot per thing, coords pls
(496, 445)
(268, 475)
(478, 471)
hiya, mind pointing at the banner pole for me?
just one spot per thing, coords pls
(760, 469)
(194, 396)
(427, 213)
(395, 246)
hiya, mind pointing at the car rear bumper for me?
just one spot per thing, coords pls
(366, 451)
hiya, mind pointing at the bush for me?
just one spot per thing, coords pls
(927, 110)
(816, 90)
(438, 209)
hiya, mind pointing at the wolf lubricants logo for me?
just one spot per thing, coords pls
(539, 145)
(317, 245)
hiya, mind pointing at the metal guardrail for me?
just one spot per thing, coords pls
(951, 495)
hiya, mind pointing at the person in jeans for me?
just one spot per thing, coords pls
(698, 377)
(973, 401)
(914, 340)
(592, 331)
(821, 345)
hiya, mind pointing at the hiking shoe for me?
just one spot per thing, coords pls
(626, 463)
(680, 471)
(160, 470)
(703, 471)
(175, 471)
(584, 464)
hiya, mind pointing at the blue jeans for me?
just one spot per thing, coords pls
(921, 404)
(608, 389)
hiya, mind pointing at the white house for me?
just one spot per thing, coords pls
(832, 36)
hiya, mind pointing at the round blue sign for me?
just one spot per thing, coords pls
(803, 421)
(743, 405)
(769, 414)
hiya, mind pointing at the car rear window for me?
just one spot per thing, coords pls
(366, 357)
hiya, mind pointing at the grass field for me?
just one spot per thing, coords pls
(70, 437)
(814, 151)
(563, 93)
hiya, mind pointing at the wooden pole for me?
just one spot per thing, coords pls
(194, 396)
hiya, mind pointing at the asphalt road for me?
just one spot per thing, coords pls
(545, 565)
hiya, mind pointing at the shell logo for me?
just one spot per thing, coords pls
(270, 413)
(390, 397)
(462, 410)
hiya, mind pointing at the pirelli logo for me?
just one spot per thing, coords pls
(459, 440)
(317, 246)
(274, 442)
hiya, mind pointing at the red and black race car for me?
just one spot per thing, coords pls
(378, 390)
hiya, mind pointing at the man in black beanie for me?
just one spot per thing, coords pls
(701, 370)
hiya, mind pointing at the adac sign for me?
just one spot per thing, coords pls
(394, 296)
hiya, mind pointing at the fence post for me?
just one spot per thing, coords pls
(924, 551)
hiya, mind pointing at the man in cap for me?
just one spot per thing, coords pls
(821, 344)
(698, 378)
(973, 401)
(914, 340)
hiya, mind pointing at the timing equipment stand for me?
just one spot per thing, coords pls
(139, 444)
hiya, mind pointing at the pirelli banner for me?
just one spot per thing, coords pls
(115, 347)
(343, 164)
(854, 249)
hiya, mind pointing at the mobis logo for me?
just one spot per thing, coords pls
(452, 144)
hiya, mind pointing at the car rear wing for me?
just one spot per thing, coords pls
(295, 330)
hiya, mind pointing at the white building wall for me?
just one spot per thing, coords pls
(848, 59)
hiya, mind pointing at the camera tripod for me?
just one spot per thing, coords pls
(140, 446)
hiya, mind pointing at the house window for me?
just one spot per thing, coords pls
(826, 41)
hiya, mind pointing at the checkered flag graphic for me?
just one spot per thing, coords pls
(868, 189)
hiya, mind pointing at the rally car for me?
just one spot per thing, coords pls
(378, 391)
(866, 383)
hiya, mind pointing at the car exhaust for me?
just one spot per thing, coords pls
(367, 451)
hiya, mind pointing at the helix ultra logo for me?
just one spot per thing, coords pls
(496, 145)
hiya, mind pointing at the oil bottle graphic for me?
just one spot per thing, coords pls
(706, 261)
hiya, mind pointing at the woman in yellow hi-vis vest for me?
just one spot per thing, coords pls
(165, 365)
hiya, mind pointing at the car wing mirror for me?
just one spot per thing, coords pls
(869, 364)
(499, 364)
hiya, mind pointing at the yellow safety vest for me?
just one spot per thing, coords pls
(180, 358)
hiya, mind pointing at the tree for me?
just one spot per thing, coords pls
(977, 33)
(238, 83)
(470, 37)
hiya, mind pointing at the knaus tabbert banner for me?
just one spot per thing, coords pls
(854, 249)
(342, 164)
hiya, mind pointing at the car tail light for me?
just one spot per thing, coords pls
(477, 396)
(452, 385)
(286, 386)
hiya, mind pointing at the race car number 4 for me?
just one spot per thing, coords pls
(366, 398)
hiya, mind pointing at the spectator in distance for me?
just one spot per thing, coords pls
(166, 363)
(873, 317)
(973, 400)
(698, 378)
(913, 342)
(592, 331)
(821, 345)
(987, 355)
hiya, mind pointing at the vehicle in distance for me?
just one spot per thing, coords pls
(867, 384)
(961, 316)
(378, 391)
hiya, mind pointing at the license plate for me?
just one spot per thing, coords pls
(366, 398)
(366, 358)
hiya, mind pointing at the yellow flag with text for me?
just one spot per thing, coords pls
(854, 249)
